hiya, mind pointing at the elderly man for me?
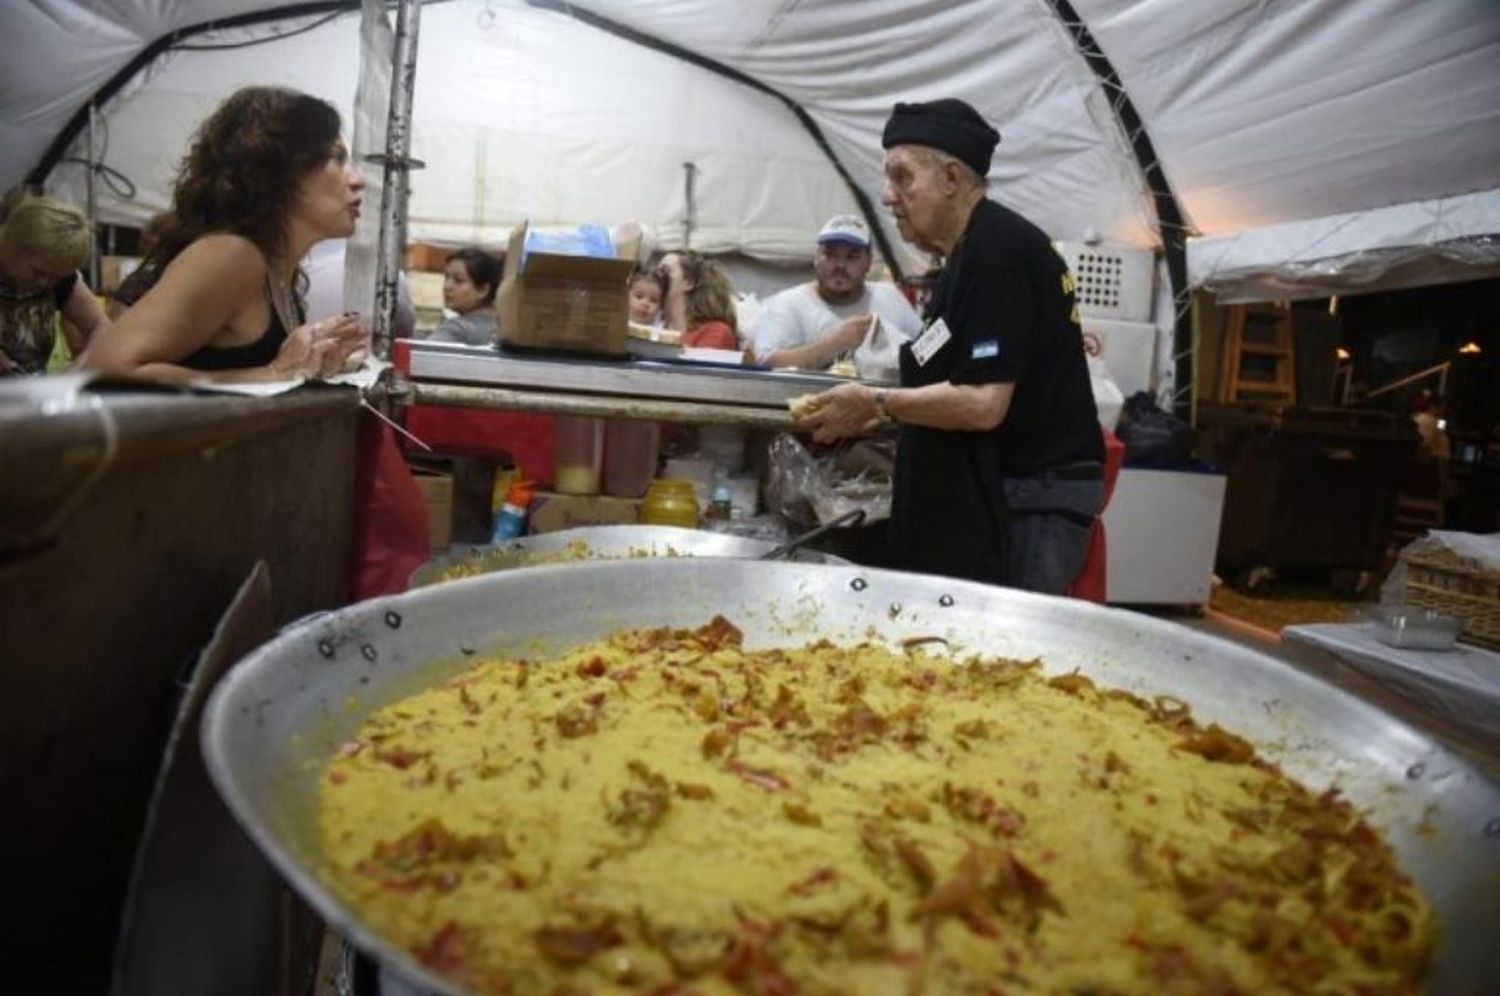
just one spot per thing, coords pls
(813, 324)
(998, 467)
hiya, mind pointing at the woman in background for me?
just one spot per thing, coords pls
(266, 178)
(470, 279)
(699, 301)
(43, 243)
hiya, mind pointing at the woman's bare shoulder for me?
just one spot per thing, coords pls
(224, 251)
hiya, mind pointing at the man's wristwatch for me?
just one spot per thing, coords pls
(880, 408)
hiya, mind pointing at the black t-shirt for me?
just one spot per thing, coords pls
(1009, 314)
(1007, 298)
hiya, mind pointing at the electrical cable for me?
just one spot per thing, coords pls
(118, 183)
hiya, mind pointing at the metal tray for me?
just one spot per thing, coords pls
(609, 543)
(278, 717)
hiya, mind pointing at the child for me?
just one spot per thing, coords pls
(646, 292)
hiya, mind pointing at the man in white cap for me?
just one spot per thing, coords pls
(811, 325)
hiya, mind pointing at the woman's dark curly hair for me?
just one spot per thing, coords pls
(241, 172)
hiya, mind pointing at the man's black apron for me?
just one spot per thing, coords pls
(948, 513)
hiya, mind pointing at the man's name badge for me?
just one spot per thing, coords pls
(930, 341)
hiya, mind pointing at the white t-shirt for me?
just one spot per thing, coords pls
(798, 316)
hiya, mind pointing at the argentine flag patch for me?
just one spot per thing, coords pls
(985, 350)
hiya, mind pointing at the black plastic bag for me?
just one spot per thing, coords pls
(1153, 437)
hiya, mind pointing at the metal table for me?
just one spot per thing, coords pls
(454, 375)
(1459, 686)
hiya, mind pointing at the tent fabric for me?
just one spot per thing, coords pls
(1266, 116)
(1452, 238)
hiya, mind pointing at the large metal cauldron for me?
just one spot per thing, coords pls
(277, 718)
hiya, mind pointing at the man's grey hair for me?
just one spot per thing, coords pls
(937, 159)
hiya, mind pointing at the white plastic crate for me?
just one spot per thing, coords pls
(1111, 281)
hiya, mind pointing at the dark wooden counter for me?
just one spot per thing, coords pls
(128, 520)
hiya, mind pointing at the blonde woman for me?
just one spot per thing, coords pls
(43, 242)
(699, 301)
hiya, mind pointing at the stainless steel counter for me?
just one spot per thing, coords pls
(487, 377)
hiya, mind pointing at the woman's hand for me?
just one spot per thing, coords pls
(318, 350)
(845, 411)
(670, 268)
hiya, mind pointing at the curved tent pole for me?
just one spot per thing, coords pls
(117, 82)
(1169, 218)
(861, 199)
(80, 119)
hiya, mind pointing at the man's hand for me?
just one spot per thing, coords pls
(841, 413)
(846, 336)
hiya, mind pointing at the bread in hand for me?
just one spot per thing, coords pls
(803, 405)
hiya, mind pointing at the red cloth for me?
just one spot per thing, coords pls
(1089, 585)
(527, 438)
(711, 335)
(390, 516)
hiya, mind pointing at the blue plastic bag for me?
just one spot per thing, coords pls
(580, 240)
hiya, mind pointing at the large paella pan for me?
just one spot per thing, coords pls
(278, 718)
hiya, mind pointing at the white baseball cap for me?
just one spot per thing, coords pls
(845, 228)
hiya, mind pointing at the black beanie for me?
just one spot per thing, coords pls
(948, 124)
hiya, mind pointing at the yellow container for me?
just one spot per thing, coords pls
(670, 502)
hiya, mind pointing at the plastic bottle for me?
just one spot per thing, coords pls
(578, 454)
(510, 520)
(719, 510)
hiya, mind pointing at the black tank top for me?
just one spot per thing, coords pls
(254, 354)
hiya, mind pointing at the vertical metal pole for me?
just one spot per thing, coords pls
(690, 171)
(91, 208)
(394, 173)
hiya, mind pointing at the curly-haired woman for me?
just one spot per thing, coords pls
(265, 179)
(42, 244)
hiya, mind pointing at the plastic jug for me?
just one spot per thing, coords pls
(579, 454)
(631, 448)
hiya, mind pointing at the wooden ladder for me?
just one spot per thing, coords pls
(1259, 359)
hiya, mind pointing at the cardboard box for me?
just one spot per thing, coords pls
(437, 492)
(551, 511)
(421, 256)
(552, 301)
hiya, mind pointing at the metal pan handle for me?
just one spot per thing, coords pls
(850, 518)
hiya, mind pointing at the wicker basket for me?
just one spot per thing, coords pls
(1439, 580)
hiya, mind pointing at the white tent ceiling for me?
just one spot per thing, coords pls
(1282, 125)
